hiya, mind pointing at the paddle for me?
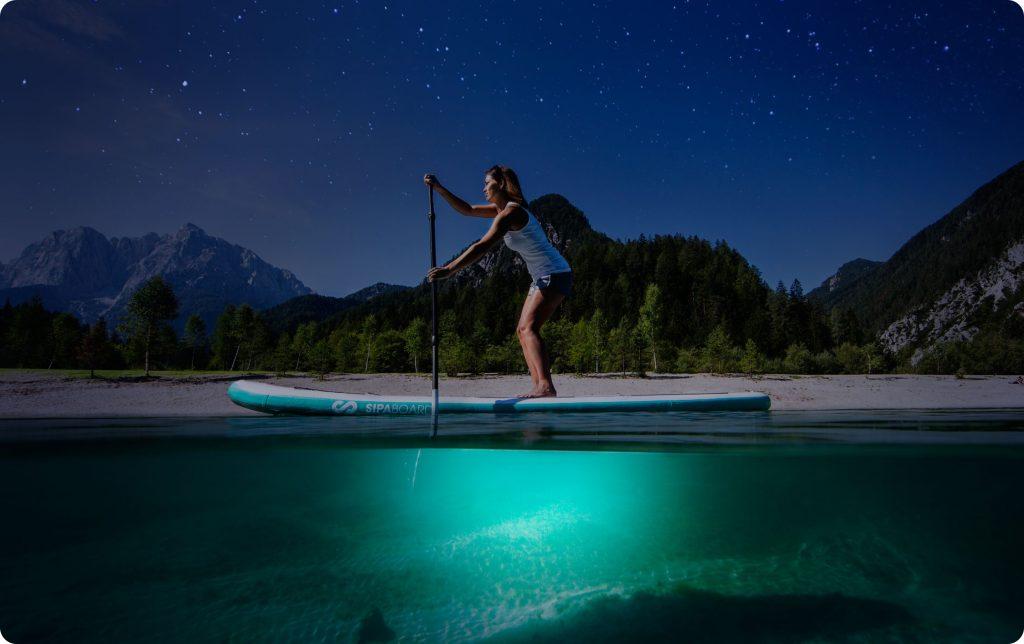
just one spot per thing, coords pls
(433, 317)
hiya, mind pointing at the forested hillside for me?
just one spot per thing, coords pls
(669, 303)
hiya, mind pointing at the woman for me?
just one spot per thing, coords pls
(551, 275)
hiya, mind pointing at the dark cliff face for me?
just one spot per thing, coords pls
(83, 272)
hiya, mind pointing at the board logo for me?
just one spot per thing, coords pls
(344, 406)
(397, 408)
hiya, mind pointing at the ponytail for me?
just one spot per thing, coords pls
(509, 182)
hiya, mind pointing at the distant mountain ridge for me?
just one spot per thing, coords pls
(566, 226)
(81, 271)
(835, 286)
(313, 308)
(948, 281)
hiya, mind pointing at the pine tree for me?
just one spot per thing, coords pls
(95, 349)
(67, 335)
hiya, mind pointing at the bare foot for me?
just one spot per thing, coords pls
(546, 392)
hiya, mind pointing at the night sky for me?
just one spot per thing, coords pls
(805, 134)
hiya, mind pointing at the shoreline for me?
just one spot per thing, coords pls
(39, 395)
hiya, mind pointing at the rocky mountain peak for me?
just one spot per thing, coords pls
(81, 271)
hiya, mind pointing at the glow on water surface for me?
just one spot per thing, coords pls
(276, 539)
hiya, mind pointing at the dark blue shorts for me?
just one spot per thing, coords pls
(561, 282)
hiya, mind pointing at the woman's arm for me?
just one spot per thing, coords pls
(499, 227)
(488, 211)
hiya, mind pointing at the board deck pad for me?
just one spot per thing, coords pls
(275, 399)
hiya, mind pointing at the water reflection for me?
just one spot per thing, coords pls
(565, 431)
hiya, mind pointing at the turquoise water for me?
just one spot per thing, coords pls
(280, 530)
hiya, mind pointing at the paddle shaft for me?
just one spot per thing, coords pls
(433, 315)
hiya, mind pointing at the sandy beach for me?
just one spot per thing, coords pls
(41, 395)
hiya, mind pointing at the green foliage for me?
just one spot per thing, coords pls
(27, 334)
(688, 360)
(241, 340)
(321, 359)
(799, 359)
(825, 362)
(506, 357)
(667, 302)
(718, 354)
(556, 336)
(960, 244)
(96, 350)
(846, 327)
(692, 287)
(150, 307)
(851, 358)
(302, 344)
(988, 353)
(282, 357)
(66, 337)
(389, 353)
(874, 357)
(195, 339)
(346, 348)
(752, 360)
(454, 353)
(417, 341)
(581, 346)
(598, 328)
(649, 324)
(370, 327)
(619, 345)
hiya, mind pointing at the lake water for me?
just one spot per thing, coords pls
(787, 527)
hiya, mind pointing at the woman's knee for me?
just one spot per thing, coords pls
(527, 329)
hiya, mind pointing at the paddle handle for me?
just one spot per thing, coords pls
(433, 316)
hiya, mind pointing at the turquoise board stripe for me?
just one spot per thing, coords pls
(346, 406)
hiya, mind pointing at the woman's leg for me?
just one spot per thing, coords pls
(534, 369)
(537, 308)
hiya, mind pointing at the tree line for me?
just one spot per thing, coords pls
(733, 325)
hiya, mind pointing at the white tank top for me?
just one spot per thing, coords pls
(533, 246)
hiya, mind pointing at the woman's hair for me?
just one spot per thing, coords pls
(509, 182)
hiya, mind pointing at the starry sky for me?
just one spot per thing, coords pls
(804, 134)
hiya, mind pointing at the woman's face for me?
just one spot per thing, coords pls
(491, 188)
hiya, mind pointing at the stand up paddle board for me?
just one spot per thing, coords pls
(275, 399)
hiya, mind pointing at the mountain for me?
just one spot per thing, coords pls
(956, 277)
(835, 286)
(81, 271)
(311, 308)
(566, 226)
(567, 229)
(702, 287)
